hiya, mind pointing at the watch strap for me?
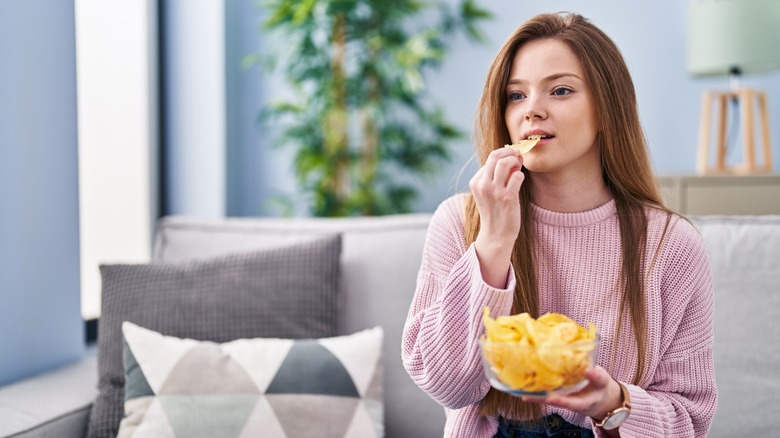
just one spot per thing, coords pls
(625, 406)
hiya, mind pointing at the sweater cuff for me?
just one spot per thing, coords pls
(499, 300)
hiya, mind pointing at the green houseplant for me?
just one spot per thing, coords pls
(360, 122)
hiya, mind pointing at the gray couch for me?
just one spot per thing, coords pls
(380, 258)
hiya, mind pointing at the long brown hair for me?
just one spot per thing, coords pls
(625, 168)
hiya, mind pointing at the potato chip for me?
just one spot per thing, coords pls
(537, 355)
(525, 146)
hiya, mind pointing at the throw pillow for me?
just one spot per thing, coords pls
(285, 292)
(318, 388)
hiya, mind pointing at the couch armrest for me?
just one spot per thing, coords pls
(54, 404)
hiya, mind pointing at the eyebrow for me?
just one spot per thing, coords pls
(552, 77)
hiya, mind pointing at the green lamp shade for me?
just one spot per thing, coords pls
(729, 35)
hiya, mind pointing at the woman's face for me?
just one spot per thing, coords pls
(547, 95)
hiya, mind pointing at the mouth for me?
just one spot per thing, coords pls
(539, 137)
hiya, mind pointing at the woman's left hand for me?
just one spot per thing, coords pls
(601, 395)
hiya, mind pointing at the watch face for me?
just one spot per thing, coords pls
(616, 419)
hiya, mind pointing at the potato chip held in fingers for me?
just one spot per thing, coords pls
(525, 146)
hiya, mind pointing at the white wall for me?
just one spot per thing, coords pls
(118, 136)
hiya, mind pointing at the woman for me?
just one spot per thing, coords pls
(575, 226)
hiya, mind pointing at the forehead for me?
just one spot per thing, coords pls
(538, 59)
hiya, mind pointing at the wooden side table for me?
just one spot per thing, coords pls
(748, 99)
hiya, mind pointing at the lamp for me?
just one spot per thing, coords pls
(733, 37)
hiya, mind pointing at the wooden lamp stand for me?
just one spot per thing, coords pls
(747, 99)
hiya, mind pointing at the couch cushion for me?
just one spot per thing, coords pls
(380, 260)
(52, 404)
(276, 388)
(288, 292)
(745, 258)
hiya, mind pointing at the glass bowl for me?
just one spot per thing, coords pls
(538, 371)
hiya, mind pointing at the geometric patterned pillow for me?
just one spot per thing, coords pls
(328, 387)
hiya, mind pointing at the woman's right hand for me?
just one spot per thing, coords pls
(496, 191)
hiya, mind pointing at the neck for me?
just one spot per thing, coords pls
(568, 193)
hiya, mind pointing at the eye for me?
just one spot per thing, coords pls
(515, 96)
(562, 91)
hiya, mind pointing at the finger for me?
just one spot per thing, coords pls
(496, 155)
(505, 167)
(485, 173)
(598, 377)
(504, 152)
(482, 185)
(477, 178)
(581, 401)
(515, 180)
(587, 399)
(553, 400)
(495, 173)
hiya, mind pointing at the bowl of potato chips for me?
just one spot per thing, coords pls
(531, 357)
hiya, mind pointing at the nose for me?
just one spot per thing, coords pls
(534, 114)
(534, 109)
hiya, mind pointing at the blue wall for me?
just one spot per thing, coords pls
(40, 317)
(247, 183)
(651, 36)
(193, 32)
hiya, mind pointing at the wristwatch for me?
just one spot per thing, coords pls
(616, 417)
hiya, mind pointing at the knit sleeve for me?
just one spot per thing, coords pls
(440, 348)
(681, 397)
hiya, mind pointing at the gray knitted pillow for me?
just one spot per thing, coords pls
(288, 292)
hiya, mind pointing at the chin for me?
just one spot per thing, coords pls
(535, 165)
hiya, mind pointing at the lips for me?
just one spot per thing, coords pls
(542, 135)
(540, 138)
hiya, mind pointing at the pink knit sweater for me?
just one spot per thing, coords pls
(578, 258)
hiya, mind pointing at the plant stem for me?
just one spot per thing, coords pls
(370, 145)
(335, 122)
